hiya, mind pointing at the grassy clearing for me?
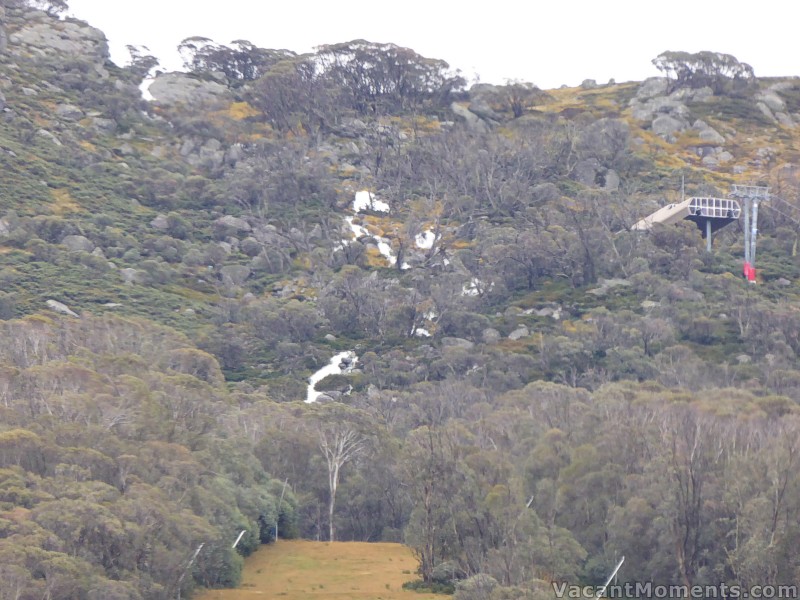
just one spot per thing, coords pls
(296, 570)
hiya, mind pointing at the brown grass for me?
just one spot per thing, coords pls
(63, 202)
(297, 570)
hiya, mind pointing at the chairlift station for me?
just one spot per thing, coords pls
(712, 214)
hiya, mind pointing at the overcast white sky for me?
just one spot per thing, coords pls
(547, 43)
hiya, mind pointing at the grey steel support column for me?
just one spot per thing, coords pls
(752, 195)
(747, 202)
(708, 235)
(754, 232)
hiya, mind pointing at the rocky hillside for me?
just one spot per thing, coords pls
(173, 270)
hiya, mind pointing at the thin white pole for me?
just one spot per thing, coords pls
(610, 577)
(238, 539)
(189, 566)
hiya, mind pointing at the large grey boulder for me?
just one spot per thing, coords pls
(604, 139)
(666, 126)
(770, 103)
(591, 173)
(234, 154)
(545, 192)
(490, 335)
(700, 94)
(78, 243)
(209, 155)
(131, 276)
(160, 222)
(233, 222)
(718, 157)
(647, 110)
(654, 86)
(586, 171)
(69, 38)
(49, 136)
(519, 333)
(234, 274)
(103, 125)
(708, 133)
(182, 88)
(70, 112)
(187, 147)
(772, 100)
(473, 121)
(455, 342)
(611, 180)
(481, 107)
(765, 110)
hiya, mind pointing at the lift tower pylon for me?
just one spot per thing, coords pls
(752, 195)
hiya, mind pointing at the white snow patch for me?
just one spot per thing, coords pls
(332, 368)
(366, 200)
(358, 230)
(144, 87)
(430, 315)
(425, 240)
(60, 307)
(422, 332)
(471, 288)
(475, 287)
(384, 247)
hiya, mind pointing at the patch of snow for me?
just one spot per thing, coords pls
(60, 307)
(555, 313)
(475, 287)
(357, 230)
(344, 362)
(422, 332)
(144, 87)
(366, 200)
(384, 247)
(430, 315)
(425, 240)
(471, 288)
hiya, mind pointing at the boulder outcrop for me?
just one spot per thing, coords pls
(182, 88)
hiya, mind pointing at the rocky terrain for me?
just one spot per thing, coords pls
(502, 373)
